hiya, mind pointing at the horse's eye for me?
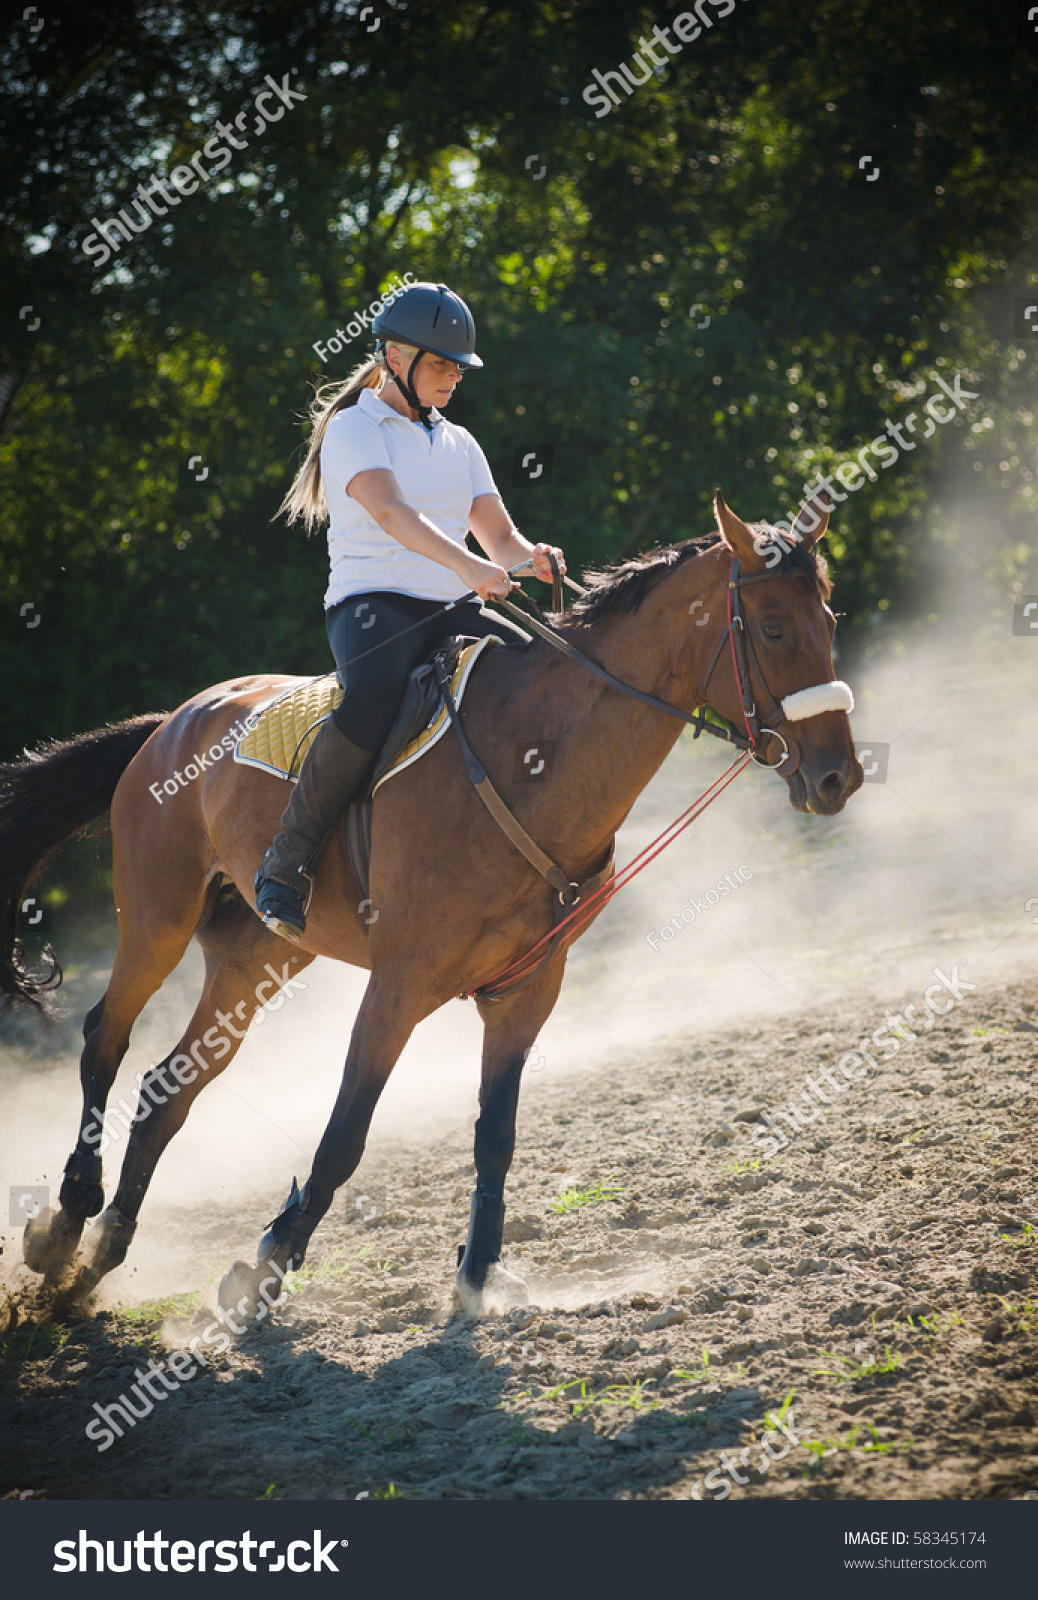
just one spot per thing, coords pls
(772, 630)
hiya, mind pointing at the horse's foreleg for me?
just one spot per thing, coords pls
(385, 1021)
(510, 1027)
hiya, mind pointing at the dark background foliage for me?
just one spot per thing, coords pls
(730, 180)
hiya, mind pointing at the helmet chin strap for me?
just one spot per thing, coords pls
(410, 393)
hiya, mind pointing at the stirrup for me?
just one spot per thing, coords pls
(286, 910)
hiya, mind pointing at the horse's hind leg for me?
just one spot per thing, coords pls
(388, 1014)
(240, 977)
(510, 1027)
(150, 947)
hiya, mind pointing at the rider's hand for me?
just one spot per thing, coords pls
(489, 581)
(541, 564)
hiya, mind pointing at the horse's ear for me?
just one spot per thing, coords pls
(735, 534)
(812, 519)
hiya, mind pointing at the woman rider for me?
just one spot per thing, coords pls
(400, 487)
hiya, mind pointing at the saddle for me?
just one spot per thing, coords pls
(282, 732)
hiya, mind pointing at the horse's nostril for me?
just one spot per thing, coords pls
(831, 786)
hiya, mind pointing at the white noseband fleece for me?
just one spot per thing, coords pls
(834, 696)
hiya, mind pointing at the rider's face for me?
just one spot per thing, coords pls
(435, 379)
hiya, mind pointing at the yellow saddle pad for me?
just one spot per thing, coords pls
(284, 730)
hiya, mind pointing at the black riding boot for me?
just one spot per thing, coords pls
(332, 773)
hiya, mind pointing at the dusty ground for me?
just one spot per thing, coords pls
(680, 1311)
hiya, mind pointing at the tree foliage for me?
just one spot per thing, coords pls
(729, 182)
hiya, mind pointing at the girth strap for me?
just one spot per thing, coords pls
(567, 893)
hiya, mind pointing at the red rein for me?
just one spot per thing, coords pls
(581, 914)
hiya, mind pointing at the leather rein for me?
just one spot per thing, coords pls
(757, 728)
(568, 895)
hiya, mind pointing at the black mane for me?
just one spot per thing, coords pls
(622, 587)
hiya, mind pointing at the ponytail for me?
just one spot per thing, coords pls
(305, 499)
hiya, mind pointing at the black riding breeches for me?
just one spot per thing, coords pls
(373, 683)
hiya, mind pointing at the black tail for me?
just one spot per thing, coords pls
(56, 792)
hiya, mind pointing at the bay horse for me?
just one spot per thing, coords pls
(456, 901)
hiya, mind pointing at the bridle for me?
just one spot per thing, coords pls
(704, 719)
(743, 654)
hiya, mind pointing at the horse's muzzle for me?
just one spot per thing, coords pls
(825, 795)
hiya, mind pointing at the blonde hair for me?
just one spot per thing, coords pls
(305, 499)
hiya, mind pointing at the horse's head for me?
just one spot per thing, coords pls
(780, 644)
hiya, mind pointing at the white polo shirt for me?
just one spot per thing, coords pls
(440, 473)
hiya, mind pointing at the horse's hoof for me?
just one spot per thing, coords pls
(72, 1300)
(246, 1294)
(110, 1240)
(466, 1298)
(37, 1249)
(501, 1290)
(50, 1242)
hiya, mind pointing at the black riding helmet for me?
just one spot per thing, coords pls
(435, 319)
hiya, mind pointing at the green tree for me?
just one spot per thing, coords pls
(730, 182)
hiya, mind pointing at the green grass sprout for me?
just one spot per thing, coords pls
(873, 1368)
(571, 1199)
